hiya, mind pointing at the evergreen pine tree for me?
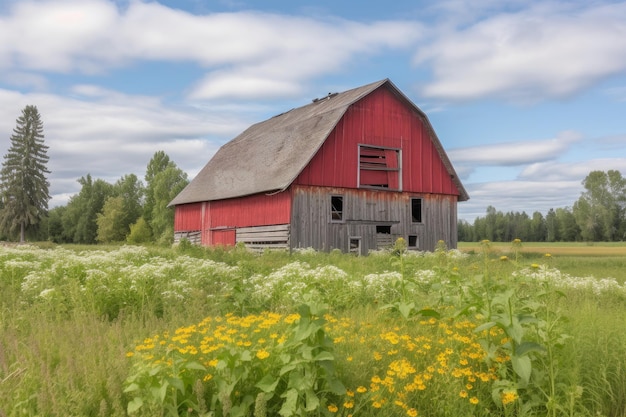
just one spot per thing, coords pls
(23, 181)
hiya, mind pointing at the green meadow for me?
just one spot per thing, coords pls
(516, 329)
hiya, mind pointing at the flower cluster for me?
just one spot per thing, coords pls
(598, 286)
(405, 363)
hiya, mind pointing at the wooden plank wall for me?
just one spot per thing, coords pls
(363, 210)
(193, 237)
(260, 238)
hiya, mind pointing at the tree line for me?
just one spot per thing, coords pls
(128, 210)
(598, 215)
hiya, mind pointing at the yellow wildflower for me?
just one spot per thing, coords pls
(262, 354)
(333, 408)
(508, 397)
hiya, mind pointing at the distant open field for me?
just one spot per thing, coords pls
(557, 248)
(597, 259)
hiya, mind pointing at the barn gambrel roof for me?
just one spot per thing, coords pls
(268, 156)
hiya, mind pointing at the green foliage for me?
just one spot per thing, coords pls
(165, 186)
(140, 232)
(600, 211)
(55, 225)
(159, 162)
(292, 377)
(80, 216)
(131, 191)
(111, 227)
(23, 183)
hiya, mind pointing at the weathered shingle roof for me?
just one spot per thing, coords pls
(268, 156)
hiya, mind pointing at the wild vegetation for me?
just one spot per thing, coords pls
(143, 331)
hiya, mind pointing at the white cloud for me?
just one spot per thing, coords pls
(553, 171)
(57, 35)
(238, 86)
(543, 50)
(518, 196)
(114, 134)
(515, 153)
(249, 54)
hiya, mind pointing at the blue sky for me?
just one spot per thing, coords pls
(526, 97)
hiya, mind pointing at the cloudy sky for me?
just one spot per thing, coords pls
(526, 97)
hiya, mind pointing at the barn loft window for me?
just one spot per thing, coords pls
(336, 208)
(383, 229)
(416, 210)
(379, 168)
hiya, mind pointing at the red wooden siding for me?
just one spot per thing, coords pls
(379, 119)
(188, 217)
(221, 217)
(223, 237)
(254, 210)
(206, 234)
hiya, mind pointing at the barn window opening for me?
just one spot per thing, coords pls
(416, 210)
(379, 168)
(383, 230)
(412, 241)
(355, 245)
(336, 208)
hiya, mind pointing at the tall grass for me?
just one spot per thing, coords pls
(440, 334)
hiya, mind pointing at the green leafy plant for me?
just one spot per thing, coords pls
(167, 387)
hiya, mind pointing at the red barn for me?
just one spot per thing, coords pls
(352, 171)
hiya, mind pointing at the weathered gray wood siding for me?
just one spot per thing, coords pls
(363, 211)
(259, 238)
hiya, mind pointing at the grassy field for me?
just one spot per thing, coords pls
(556, 248)
(597, 259)
(484, 331)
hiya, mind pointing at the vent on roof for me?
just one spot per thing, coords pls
(329, 96)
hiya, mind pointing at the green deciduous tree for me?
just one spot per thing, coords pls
(111, 221)
(140, 232)
(166, 185)
(132, 191)
(55, 225)
(80, 217)
(24, 185)
(164, 180)
(537, 228)
(599, 211)
(568, 230)
(159, 162)
(120, 210)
